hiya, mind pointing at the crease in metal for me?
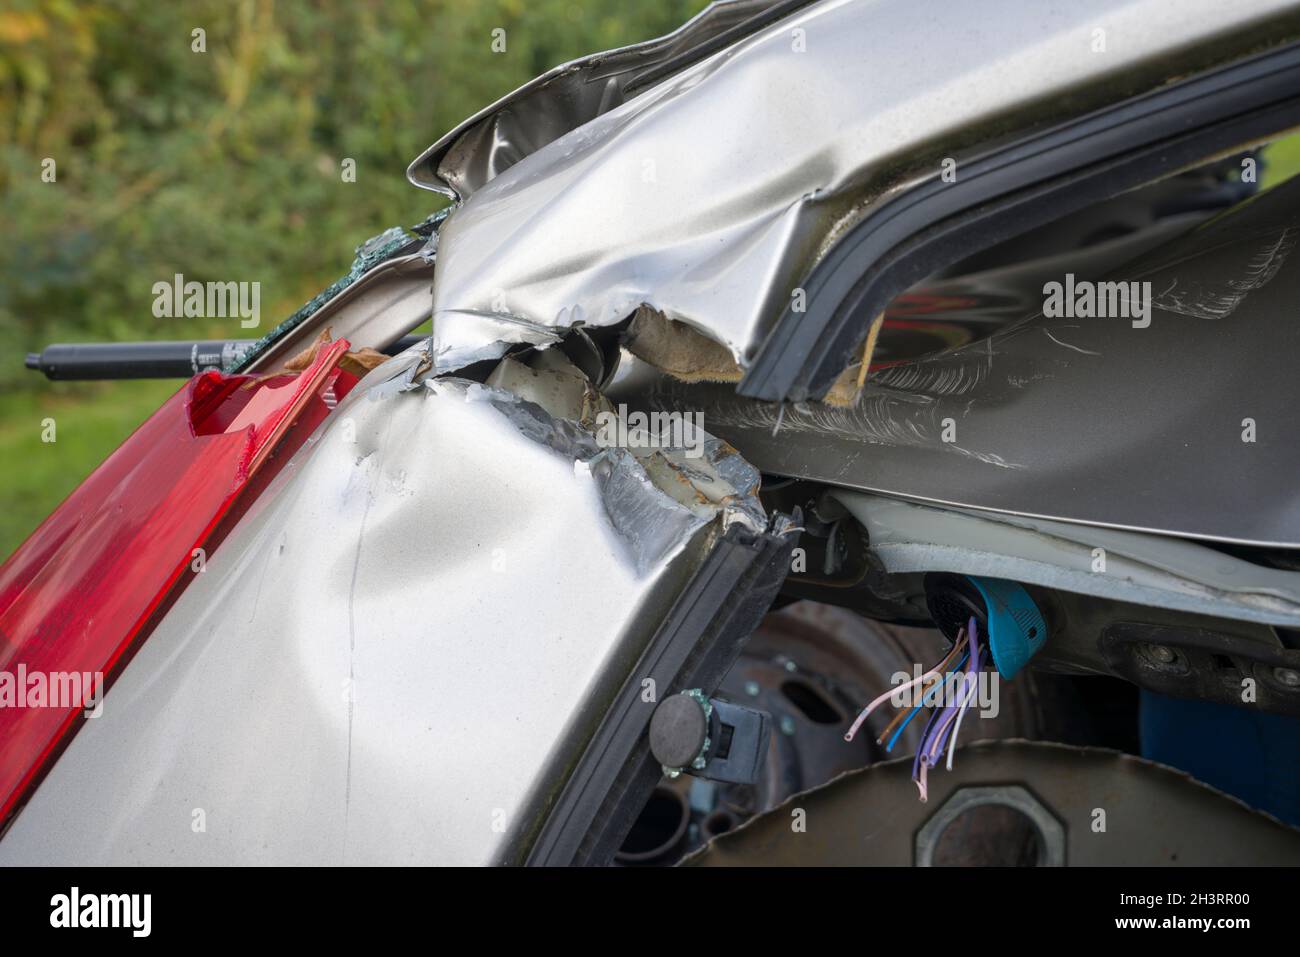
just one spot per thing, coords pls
(710, 195)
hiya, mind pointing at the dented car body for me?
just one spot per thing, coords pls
(730, 327)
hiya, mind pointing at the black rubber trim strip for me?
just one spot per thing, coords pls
(693, 648)
(1007, 192)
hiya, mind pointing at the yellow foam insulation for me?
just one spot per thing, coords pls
(358, 363)
(678, 349)
(689, 355)
(846, 387)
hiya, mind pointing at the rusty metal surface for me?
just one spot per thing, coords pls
(1154, 815)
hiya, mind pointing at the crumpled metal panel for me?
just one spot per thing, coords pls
(710, 196)
(396, 657)
(545, 108)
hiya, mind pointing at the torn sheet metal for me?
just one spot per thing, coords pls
(650, 524)
(409, 641)
(711, 195)
(1125, 566)
(1156, 815)
(698, 471)
(1182, 427)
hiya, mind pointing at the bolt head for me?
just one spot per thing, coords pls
(1162, 654)
(1287, 676)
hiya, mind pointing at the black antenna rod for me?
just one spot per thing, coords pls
(150, 360)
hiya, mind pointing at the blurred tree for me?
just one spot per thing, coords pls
(227, 163)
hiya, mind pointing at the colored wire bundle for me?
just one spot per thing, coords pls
(944, 724)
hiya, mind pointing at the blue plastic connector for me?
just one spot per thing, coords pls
(1015, 629)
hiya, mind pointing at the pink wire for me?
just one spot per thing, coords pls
(857, 725)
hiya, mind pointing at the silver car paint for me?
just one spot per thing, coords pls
(395, 658)
(395, 655)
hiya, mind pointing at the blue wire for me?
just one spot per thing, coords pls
(939, 684)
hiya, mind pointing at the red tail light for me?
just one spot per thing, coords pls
(84, 588)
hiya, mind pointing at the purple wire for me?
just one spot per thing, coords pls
(948, 729)
(921, 748)
(973, 668)
(967, 701)
(934, 737)
(928, 735)
(947, 720)
(946, 717)
(949, 713)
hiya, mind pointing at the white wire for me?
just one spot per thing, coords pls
(974, 679)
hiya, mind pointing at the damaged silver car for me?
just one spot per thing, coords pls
(827, 417)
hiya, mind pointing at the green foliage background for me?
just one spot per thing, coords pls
(222, 165)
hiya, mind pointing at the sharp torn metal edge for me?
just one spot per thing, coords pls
(656, 495)
(713, 193)
(370, 254)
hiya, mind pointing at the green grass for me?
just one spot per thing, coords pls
(1281, 160)
(90, 422)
